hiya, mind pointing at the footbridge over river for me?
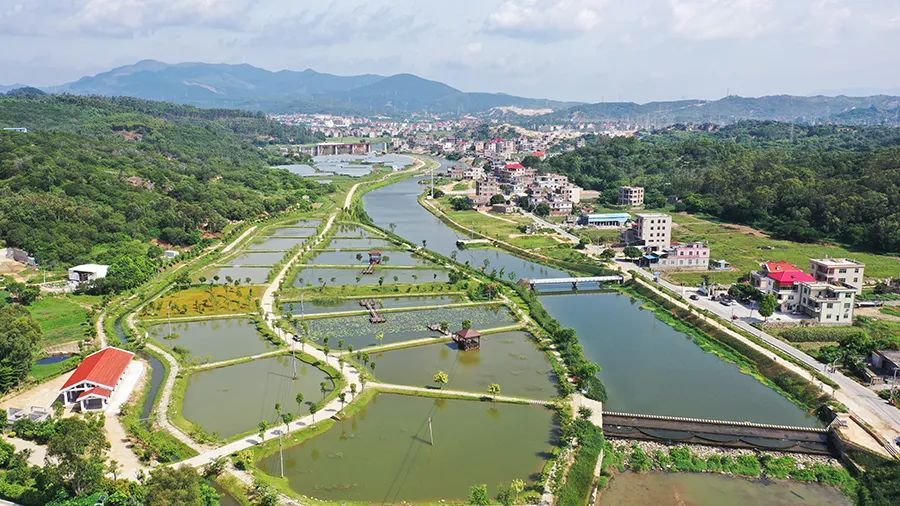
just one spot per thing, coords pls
(574, 281)
(760, 436)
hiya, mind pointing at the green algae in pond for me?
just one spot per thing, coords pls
(212, 340)
(332, 306)
(509, 359)
(384, 455)
(234, 399)
(336, 276)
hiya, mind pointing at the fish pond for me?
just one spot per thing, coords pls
(256, 275)
(361, 258)
(686, 489)
(384, 454)
(332, 306)
(276, 243)
(264, 258)
(404, 325)
(291, 232)
(332, 276)
(232, 400)
(361, 243)
(212, 340)
(510, 359)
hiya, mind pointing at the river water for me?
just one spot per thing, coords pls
(648, 367)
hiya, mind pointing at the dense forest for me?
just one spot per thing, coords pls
(805, 183)
(93, 174)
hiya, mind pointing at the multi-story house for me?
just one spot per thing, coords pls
(839, 271)
(782, 280)
(689, 257)
(516, 176)
(653, 231)
(827, 303)
(631, 196)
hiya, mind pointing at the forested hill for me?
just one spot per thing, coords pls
(95, 176)
(802, 183)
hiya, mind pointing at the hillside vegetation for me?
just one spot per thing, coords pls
(803, 183)
(98, 174)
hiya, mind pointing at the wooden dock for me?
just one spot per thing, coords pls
(372, 307)
(436, 327)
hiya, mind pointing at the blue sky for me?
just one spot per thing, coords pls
(588, 50)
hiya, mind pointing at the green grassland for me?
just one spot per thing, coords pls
(62, 319)
(745, 250)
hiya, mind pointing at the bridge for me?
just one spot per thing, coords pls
(759, 436)
(615, 278)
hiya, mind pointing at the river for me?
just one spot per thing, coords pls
(648, 367)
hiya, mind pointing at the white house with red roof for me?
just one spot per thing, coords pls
(781, 279)
(92, 384)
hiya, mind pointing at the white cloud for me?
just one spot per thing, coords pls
(120, 18)
(721, 19)
(545, 19)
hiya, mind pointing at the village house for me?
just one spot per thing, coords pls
(86, 273)
(838, 271)
(605, 220)
(631, 196)
(653, 232)
(781, 279)
(687, 257)
(92, 384)
(827, 303)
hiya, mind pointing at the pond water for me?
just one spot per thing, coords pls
(331, 257)
(649, 367)
(687, 489)
(213, 340)
(349, 230)
(291, 232)
(233, 400)
(360, 243)
(276, 243)
(404, 325)
(384, 455)
(53, 359)
(257, 275)
(510, 359)
(266, 258)
(306, 223)
(347, 276)
(331, 306)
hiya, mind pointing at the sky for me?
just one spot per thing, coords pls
(585, 50)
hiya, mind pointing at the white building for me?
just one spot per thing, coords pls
(654, 231)
(86, 273)
(839, 271)
(827, 303)
(631, 196)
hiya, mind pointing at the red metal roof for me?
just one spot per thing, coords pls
(468, 333)
(99, 392)
(515, 165)
(789, 278)
(781, 267)
(104, 367)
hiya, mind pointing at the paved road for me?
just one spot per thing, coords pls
(237, 241)
(862, 401)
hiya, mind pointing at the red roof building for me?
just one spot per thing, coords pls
(467, 339)
(787, 279)
(514, 166)
(96, 378)
(771, 267)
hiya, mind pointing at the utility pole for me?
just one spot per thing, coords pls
(430, 432)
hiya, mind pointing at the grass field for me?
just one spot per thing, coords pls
(41, 372)
(746, 249)
(61, 319)
(205, 301)
(500, 227)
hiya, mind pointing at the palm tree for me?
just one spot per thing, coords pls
(312, 411)
(441, 378)
(494, 389)
(299, 400)
(352, 389)
(343, 397)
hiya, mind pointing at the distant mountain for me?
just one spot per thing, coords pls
(877, 109)
(248, 87)
(9, 87)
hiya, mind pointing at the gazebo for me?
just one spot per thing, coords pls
(467, 339)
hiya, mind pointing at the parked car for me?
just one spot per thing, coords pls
(726, 302)
(694, 296)
(297, 338)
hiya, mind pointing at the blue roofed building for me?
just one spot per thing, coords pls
(605, 220)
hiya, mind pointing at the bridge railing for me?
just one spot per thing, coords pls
(714, 422)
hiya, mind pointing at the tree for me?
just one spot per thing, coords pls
(312, 411)
(497, 199)
(22, 293)
(517, 486)
(441, 378)
(171, 486)
(263, 427)
(76, 454)
(632, 252)
(478, 495)
(505, 496)
(19, 335)
(542, 209)
(767, 305)
(299, 400)
(467, 324)
(343, 397)
(608, 254)
(494, 389)
(461, 203)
